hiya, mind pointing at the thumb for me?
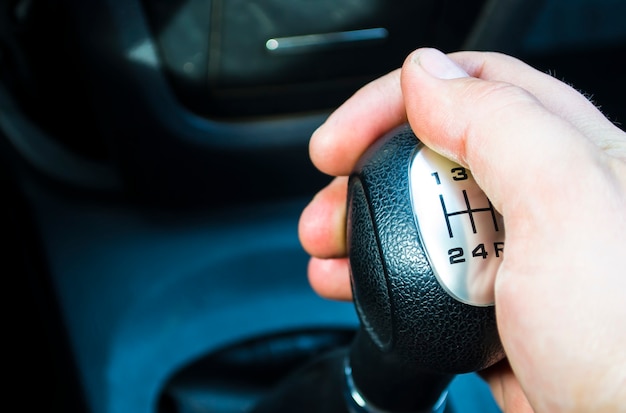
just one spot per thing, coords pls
(555, 170)
(503, 133)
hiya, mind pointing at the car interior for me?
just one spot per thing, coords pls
(155, 164)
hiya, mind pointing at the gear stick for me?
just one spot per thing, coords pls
(424, 246)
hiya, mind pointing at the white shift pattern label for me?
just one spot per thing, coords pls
(461, 231)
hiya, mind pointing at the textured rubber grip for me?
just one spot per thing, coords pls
(414, 336)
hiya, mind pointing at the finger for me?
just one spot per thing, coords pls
(474, 121)
(378, 108)
(563, 208)
(555, 95)
(506, 389)
(330, 278)
(322, 224)
(372, 111)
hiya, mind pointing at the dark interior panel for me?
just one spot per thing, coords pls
(253, 58)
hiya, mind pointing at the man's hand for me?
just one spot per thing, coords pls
(554, 167)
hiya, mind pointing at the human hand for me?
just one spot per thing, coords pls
(554, 167)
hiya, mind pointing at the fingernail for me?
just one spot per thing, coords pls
(438, 64)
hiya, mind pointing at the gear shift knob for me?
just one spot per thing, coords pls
(424, 246)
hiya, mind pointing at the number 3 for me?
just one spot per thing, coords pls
(461, 174)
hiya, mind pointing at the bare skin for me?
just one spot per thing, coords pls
(554, 166)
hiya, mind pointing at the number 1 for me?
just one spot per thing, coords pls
(436, 175)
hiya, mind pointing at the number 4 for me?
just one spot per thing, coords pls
(456, 254)
(480, 251)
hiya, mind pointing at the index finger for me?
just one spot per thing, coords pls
(372, 111)
(379, 107)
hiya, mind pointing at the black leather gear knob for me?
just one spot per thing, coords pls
(417, 329)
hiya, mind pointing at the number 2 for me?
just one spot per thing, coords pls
(455, 255)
